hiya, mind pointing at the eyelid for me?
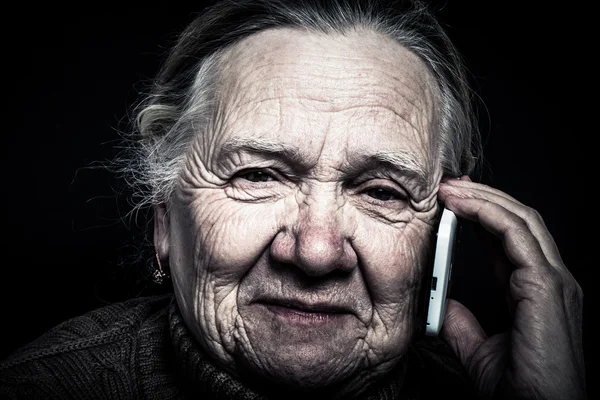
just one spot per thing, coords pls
(395, 187)
(280, 173)
(274, 173)
(388, 184)
(398, 196)
(266, 171)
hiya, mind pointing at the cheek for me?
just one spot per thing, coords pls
(225, 237)
(394, 260)
(214, 242)
(393, 266)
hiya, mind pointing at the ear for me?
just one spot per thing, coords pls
(161, 231)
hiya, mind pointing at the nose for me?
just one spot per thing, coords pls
(316, 240)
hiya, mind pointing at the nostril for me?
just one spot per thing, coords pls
(319, 251)
(316, 243)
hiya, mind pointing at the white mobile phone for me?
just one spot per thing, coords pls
(442, 269)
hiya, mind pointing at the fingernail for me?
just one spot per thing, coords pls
(448, 179)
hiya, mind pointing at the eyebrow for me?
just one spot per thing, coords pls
(403, 163)
(289, 154)
(400, 162)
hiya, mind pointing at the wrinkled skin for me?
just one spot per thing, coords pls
(304, 265)
(249, 232)
(541, 357)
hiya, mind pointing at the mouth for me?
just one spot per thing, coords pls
(298, 312)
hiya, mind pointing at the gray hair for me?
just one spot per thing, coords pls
(183, 94)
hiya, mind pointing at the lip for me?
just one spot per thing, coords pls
(299, 312)
(320, 307)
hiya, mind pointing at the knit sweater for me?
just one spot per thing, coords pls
(141, 349)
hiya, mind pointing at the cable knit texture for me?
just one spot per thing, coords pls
(141, 349)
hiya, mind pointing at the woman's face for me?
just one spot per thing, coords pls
(299, 230)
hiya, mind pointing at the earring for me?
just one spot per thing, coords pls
(159, 276)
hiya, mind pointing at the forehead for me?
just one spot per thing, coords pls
(361, 90)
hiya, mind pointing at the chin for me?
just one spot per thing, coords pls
(301, 352)
(317, 353)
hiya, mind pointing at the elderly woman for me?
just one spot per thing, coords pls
(297, 155)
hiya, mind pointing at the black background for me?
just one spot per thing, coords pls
(73, 78)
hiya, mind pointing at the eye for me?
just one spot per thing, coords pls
(255, 176)
(382, 194)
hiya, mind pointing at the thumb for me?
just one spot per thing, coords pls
(461, 331)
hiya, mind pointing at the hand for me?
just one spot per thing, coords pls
(541, 357)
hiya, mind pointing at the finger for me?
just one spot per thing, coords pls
(468, 184)
(535, 278)
(461, 331)
(531, 217)
(520, 245)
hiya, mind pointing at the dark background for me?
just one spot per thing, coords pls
(73, 79)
